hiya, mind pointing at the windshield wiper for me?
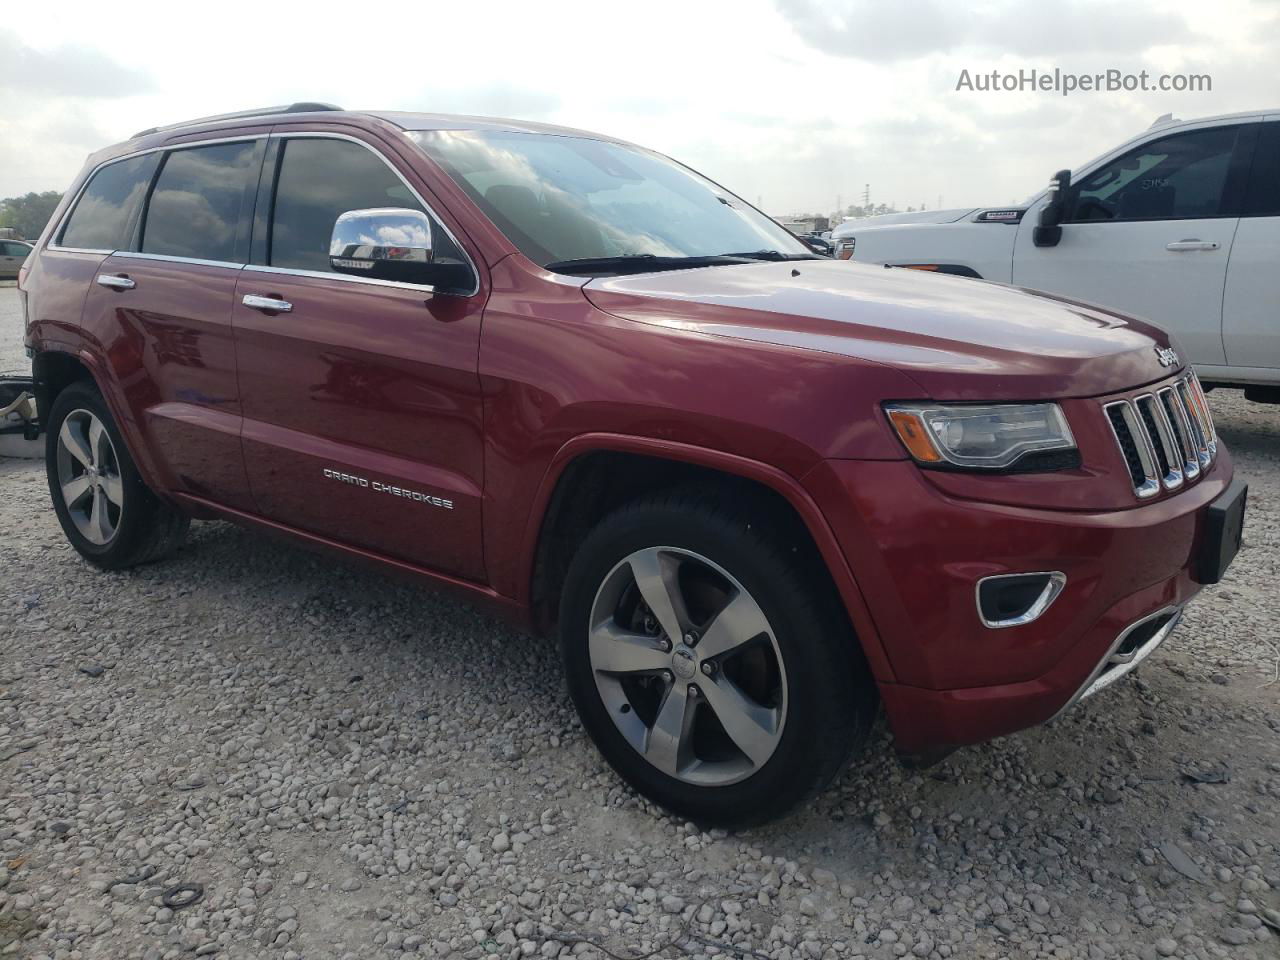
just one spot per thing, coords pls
(774, 255)
(642, 263)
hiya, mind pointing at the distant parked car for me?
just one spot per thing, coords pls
(12, 255)
(1181, 225)
(818, 243)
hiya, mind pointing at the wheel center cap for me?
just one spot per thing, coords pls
(684, 663)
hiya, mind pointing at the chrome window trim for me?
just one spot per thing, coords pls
(320, 274)
(1052, 588)
(54, 246)
(170, 258)
(320, 135)
(71, 207)
(263, 268)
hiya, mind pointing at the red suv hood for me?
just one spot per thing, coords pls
(960, 339)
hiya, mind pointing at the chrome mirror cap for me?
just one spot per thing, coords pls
(383, 242)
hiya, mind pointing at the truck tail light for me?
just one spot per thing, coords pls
(844, 248)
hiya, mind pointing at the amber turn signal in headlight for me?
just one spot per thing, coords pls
(987, 437)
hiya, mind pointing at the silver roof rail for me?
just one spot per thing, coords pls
(302, 107)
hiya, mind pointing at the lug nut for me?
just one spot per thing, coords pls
(693, 690)
(664, 645)
(667, 675)
(708, 668)
(690, 639)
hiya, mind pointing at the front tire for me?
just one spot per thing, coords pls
(105, 509)
(709, 660)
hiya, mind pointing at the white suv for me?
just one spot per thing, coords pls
(1180, 224)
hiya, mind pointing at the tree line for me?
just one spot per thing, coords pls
(27, 215)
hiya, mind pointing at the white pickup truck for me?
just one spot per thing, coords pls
(1180, 224)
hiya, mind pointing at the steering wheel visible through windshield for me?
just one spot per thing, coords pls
(578, 205)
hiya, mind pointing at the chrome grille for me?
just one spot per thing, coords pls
(1166, 438)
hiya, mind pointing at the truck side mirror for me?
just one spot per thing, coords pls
(1049, 230)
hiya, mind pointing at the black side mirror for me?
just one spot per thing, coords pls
(1049, 230)
(817, 245)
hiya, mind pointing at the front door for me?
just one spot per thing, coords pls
(1149, 234)
(161, 311)
(361, 398)
(1251, 307)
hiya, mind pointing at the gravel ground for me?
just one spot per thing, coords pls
(356, 768)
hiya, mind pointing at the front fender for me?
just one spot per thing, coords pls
(776, 480)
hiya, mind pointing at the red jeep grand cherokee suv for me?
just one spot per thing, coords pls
(756, 491)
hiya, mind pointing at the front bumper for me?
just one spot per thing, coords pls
(917, 552)
(1130, 649)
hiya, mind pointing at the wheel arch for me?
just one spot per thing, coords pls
(593, 474)
(52, 372)
(54, 369)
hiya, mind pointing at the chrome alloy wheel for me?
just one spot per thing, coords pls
(89, 477)
(687, 666)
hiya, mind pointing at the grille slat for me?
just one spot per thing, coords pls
(1177, 415)
(1168, 456)
(1166, 438)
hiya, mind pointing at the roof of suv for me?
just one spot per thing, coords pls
(405, 120)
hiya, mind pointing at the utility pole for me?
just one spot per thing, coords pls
(866, 197)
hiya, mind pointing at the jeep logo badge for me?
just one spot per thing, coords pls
(1167, 356)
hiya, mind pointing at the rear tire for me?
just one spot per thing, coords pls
(110, 516)
(763, 697)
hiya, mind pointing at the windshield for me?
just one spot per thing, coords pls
(562, 199)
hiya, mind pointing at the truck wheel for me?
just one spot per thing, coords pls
(710, 666)
(105, 509)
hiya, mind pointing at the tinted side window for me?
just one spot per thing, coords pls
(319, 180)
(202, 199)
(1263, 196)
(104, 215)
(1179, 177)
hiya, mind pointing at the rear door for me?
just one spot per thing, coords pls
(102, 218)
(160, 311)
(1251, 307)
(362, 398)
(1149, 233)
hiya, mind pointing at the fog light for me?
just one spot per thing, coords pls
(1012, 599)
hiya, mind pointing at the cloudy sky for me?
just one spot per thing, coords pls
(790, 102)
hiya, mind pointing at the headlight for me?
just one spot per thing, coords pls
(844, 247)
(992, 437)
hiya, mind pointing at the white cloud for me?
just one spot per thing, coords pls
(793, 102)
(877, 31)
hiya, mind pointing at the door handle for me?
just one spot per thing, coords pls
(115, 281)
(1191, 244)
(266, 304)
